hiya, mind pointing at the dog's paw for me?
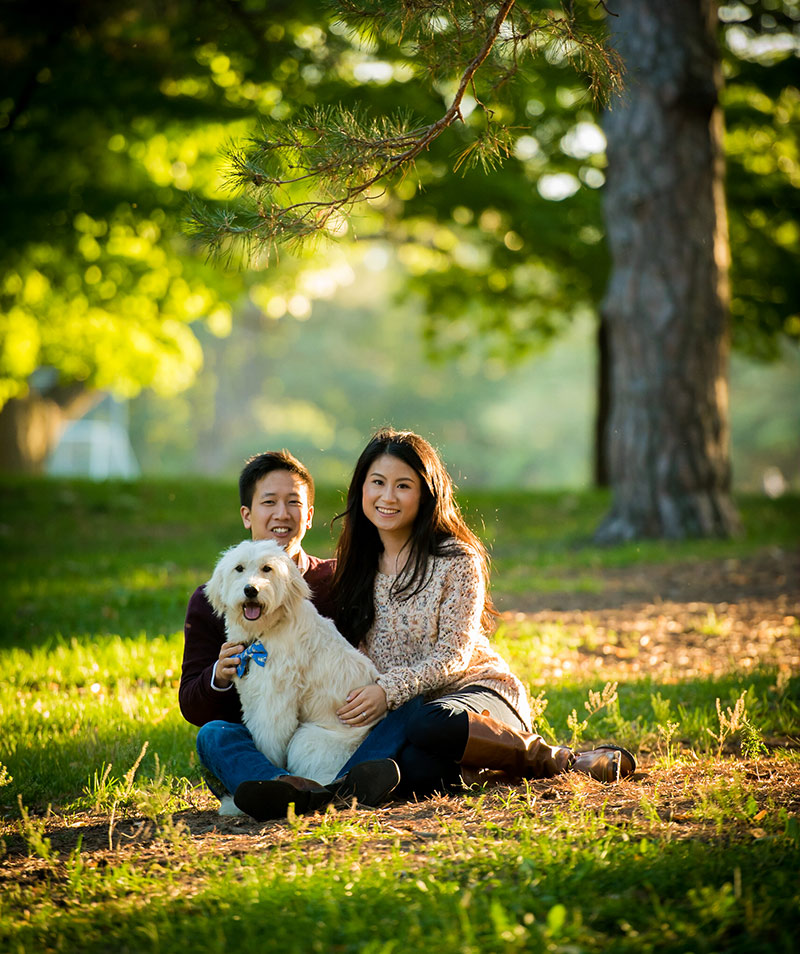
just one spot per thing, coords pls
(227, 806)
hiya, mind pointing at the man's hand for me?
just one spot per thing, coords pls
(363, 706)
(226, 664)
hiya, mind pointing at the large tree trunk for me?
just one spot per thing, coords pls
(666, 307)
(31, 426)
(603, 408)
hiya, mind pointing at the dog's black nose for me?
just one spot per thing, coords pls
(250, 591)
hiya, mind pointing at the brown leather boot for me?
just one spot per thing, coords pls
(268, 799)
(606, 763)
(485, 776)
(494, 745)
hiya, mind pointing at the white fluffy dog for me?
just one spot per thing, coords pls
(290, 697)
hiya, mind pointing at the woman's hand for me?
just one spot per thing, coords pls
(226, 664)
(364, 706)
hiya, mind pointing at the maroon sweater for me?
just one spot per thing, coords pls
(204, 633)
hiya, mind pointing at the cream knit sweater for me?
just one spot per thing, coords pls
(433, 643)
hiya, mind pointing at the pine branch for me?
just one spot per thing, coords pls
(302, 178)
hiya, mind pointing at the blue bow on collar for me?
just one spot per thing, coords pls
(254, 651)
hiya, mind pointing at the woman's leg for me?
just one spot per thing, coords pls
(438, 734)
(497, 739)
(387, 738)
(495, 744)
(423, 774)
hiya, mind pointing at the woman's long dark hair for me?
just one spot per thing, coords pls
(439, 530)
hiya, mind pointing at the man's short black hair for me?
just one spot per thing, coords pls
(261, 464)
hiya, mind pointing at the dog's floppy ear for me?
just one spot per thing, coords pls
(213, 589)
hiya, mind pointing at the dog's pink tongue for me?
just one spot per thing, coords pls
(252, 610)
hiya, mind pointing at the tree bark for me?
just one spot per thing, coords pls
(666, 306)
(31, 426)
(603, 408)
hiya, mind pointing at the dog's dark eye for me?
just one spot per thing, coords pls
(266, 568)
(240, 568)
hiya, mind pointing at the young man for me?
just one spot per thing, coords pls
(276, 494)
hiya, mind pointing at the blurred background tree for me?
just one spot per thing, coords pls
(113, 115)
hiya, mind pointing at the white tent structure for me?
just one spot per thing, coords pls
(97, 445)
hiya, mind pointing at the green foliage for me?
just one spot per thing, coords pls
(351, 151)
(518, 254)
(92, 251)
(761, 46)
(528, 254)
(67, 308)
(112, 113)
(100, 285)
(303, 176)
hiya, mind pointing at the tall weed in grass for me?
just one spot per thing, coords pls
(32, 830)
(597, 701)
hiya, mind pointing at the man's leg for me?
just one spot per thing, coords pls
(371, 773)
(264, 790)
(228, 752)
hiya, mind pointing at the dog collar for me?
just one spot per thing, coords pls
(254, 651)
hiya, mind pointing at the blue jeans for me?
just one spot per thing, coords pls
(230, 756)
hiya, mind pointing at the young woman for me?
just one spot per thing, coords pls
(411, 589)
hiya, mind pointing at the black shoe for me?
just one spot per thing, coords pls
(265, 800)
(370, 783)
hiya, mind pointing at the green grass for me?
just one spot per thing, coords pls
(95, 579)
(542, 542)
(82, 559)
(517, 891)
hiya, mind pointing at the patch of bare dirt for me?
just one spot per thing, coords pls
(672, 641)
(677, 622)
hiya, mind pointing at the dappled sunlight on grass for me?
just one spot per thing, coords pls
(56, 741)
(71, 706)
(103, 663)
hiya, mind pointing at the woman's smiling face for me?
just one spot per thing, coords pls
(391, 495)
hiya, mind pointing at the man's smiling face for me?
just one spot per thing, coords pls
(279, 510)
